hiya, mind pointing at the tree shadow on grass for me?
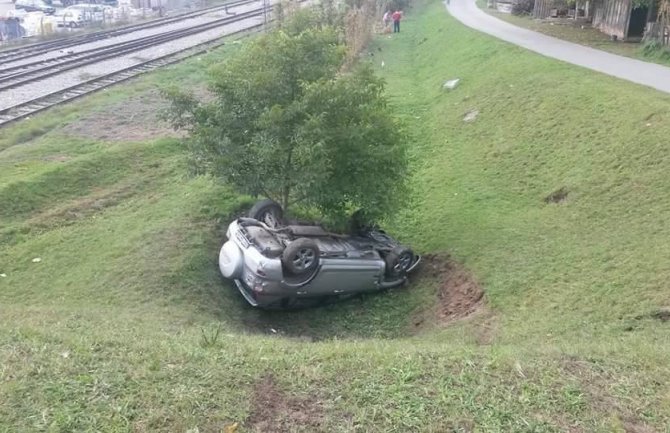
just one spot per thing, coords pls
(372, 315)
(385, 314)
(441, 292)
(432, 293)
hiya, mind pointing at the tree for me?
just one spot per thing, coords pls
(663, 19)
(286, 123)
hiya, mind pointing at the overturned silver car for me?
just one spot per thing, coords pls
(278, 265)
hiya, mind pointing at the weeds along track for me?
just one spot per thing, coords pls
(27, 51)
(71, 93)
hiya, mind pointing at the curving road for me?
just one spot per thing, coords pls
(647, 74)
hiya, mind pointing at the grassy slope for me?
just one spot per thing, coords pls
(110, 330)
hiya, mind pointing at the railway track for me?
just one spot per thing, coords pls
(53, 99)
(26, 51)
(39, 70)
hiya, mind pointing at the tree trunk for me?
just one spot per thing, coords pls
(286, 188)
(664, 21)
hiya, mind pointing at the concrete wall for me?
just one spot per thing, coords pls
(612, 16)
(5, 6)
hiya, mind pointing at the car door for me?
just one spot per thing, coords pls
(346, 275)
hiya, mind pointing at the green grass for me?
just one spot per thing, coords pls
(126, 325)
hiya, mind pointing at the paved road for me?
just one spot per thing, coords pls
(637, 71)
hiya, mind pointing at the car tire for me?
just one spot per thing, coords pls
(268, 212)
(398, 261)
(301, 257)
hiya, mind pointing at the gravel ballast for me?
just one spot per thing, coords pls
(25, 93)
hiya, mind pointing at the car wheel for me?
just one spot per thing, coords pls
(301, 257)
(72, 24)
(268, 212)
(398, 261)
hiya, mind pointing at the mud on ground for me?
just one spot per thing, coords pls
(273, 411)
(454, 294)
(597, 385)
(459, 295)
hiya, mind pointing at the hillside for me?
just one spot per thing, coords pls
(553, 200)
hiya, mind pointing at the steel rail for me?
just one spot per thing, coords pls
(50, 69)
(26, 51)
(23, 110)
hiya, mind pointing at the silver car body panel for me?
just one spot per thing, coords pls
(346, 266)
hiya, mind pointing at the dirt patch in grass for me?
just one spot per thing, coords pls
(663, 314)
(486, 328)
(460, 298)
(273, 411)
(558, 196)
(459, 294)
(637, 427)
(133, 119)
(597, 383)
(83, 207)
(57, 158)
(383, 313)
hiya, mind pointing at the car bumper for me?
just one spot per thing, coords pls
(246, 293)
(256, 299)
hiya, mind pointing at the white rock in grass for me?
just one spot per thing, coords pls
(3, 275)
(451, 84)
(37, 260)
(471, 115)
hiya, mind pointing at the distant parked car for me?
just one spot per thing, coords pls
(69, 17)
(35, 6)
(278, 265)
(79, 15)
(92, 12)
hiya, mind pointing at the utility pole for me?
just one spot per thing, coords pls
(265, 15)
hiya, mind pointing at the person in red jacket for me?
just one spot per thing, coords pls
(396, 17)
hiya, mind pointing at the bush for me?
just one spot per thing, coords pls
(654, 49)
(287, 123)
